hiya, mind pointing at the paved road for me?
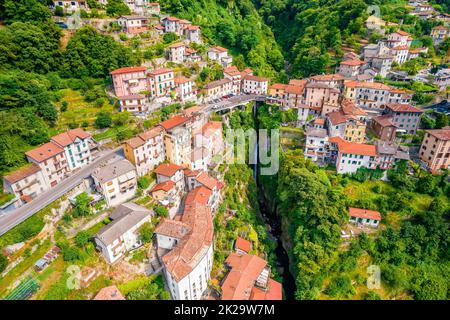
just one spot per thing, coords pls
(16, 216)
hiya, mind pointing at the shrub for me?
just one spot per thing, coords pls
(103, 120)
(3, 262)
(143, 182)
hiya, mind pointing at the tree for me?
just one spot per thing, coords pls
(143, 183)
(146, 232)
(82, 238)
(115, 8)
(161, 211)
(169, 37)
(59, 11)
(103, 120)
(3, 262)
(26, 10)
(82, 206)
(441, 120)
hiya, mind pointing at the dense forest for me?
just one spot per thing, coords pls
(34, 68)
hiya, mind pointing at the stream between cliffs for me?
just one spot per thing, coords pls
(273, 221)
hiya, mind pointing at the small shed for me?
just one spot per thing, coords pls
(41, 264)
(365, 217)
(242, 246)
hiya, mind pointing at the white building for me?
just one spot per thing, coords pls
(188, 264)
(365, 217)
(315, 144)
(176, 52)
(116, 181)
(134, 103)
(193, 34)
(220, 54)
(77, 147)
(184, 88)
(26, 184)
(352, 156)
(122, 234)
(133, 24)
(71, 6)
(255, 85)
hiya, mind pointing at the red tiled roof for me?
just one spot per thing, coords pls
(167, 169)
(369, 85)
(336, 117)
(402, 33)
(172, 19)
(109, 293)
(181, 80)
(159, 71)
(294, 89)
(353, 62)
(217, 83)
(328, 77)
(400, 48)
(174, 122)
(273, 292)
(403, 107)
(151, 133)
(44, 152)
(22, 173)
(255, 78)
(354, 148)
(199, 195)
(164, 186)
(207, 181)
(218, 48)
(278, 86)
(135, 142)
(441, 134)
(172, 228)
(128, 70)
(211, 127)
(384, 120)
(364, 213)
(69, 137)
(245, 270)
(243, 245)
(193, 27)
(181, 260)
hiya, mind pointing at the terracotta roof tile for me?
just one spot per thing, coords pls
(364, 213)
(403, 107)
(167, 169)
(174, 122)
(22, 173)
(354, 148)
(109, 293)
(128, 70)
(44, 152)
(164, 186)
(243, 244)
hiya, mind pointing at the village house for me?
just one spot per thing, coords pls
(161, 82)
(213, 186)
(52, 160)
(415, 53)
(176, 52)
(220, 55)
(365, 217)
(146, 150)
(435, 149)
(26, 184)
(293, 97)
(382, 64)
(77, 147)
(122, 234)
(405, 116)
(129, 81)
(178, 139)
(352, 156)
(153, 8)
(400, 38)
(184, 88)
(255, 85)
(388, 153)
(211, 138)
(334, 80)
(346, 126)
(191, 55)
(383, 127)
(399, 96)
(400, 54)
(172, 24)
(193, 34)
(237, 77)
(134, 104)
(248, 278)
(318, 94)
(242, 246)
(186, 248)
(170, 187)
(442, 78)
(70, 6)
(315, 144)
(116, 181)
(133, 24)
(217, 89)
(351, 68)
(368, 95)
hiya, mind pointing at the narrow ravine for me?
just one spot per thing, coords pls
(273, 222)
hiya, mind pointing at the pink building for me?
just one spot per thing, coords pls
(129, 81)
